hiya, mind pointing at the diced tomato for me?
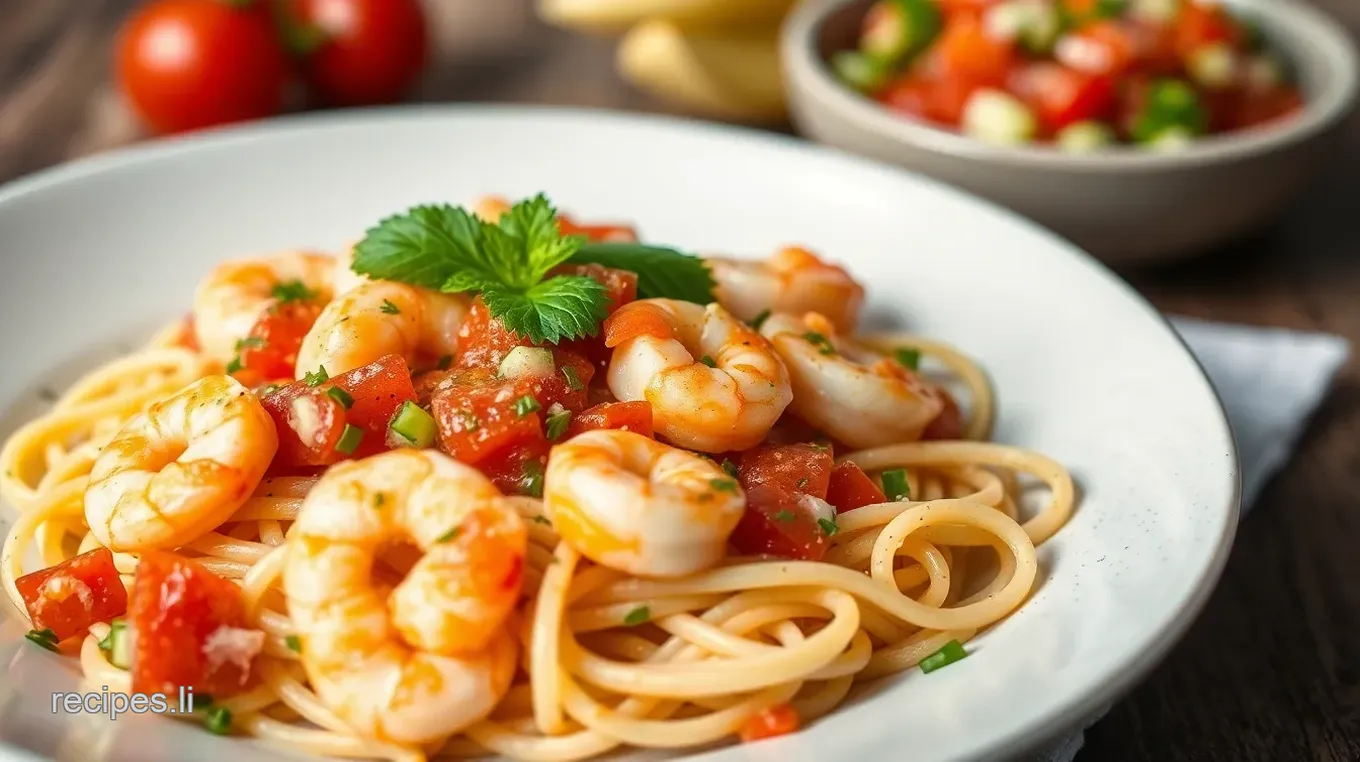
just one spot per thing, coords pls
(310, 421)
(966, 50)
(1102, 49)
(1258, 109)
(633, 320)
(851, 488)
(1199, 24)
(778, 720)
(74, 594)
(512, 469)
(937, 97)
(790, 429)
(1061, 96)
(949, 423)
(476, 414)
(775, 524)
(483, 341)
(189, 626)
(621, 285)
(597, 233)
(800, 468)
(629, 416)
(270, 351)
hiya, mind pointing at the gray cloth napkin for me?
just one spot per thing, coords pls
(1270, 380)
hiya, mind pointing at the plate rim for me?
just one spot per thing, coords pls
(1064, 718)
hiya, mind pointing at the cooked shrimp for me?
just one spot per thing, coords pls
(793, 280)
(345, 279)
(639, 506)
(181, 468)
(714, 384)
(849, 391)
(432, 655)
(381, 318)
(235, 294)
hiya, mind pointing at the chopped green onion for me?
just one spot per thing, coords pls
(349, 440)
(388, 308)
(1171, 103)
(760, 319)
(218, 720)
(895, 484)
(557, 424)
(316, 379)
(526, 405)
(118, 644)
(414, 426)
(723, 485)
(444, 362)
(235, 365)
(345, 399)
(709, 361)
(897, 29)
(573, 380)
(292, 291)
(784, 516)
(828, 526)
(294, 643)
(532, 482)
(449, 535)
(730, 467)
(950, 653)
(45, 638)
(250, 342)
(908, 358)
(822, 343)
(637, 616)
(861, 72)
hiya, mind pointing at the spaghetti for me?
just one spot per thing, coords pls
(607, 659)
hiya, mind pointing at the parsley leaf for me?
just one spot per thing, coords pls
(564, 307)
(422, 246)
(662, 272)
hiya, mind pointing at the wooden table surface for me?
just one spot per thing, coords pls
(1270, 671)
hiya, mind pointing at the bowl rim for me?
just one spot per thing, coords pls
(805, 70)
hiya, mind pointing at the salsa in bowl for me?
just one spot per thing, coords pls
(1080, 74)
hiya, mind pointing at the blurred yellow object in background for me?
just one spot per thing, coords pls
(729, 74)
(613, 16)
(716, 57)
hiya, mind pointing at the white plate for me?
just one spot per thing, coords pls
(98, 252)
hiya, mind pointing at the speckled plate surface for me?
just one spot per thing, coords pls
(96, 253)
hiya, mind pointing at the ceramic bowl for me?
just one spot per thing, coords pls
(1125, 206)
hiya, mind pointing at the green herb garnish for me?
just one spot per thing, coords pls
(637, 616)
(294, 643)
(345, 399)
(449, 535)
(316, 379)
(573, 380)
(895, 484)
(45, 638)
(822, 343)
(292, 291)
(730, 468)
(557, 424)
(828, 526)
(723, 485)
(760, 320)
(908, 358)
(784, 516)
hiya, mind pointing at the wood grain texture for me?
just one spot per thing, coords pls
(1270, 671)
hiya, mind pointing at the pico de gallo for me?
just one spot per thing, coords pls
(1078, 74)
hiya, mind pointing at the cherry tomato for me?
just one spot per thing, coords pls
(370, 51)
(188, 64)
